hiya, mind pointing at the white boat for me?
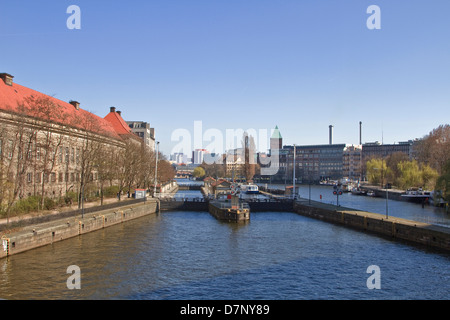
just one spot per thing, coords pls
(249, 188)
(417, 195)
(358, 191)
(370, 193)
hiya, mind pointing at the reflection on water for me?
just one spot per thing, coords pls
(191, 255)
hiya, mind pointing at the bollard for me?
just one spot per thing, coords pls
(394, 231)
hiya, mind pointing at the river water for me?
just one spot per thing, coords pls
(190, 255)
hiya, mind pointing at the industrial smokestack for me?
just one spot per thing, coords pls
(360, 133)
(331, 135)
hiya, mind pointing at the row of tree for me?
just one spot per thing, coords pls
(403, 174)
(434, 150)
(131, 167)
(430, 168)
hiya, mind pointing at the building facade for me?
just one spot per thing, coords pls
(50, 147)
(378, 150)
(312, 163)
(144, 131)
(352, 162)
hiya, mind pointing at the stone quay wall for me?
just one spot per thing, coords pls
(43, 234)
(392, 227)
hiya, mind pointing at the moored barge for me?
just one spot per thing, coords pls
(230, 211)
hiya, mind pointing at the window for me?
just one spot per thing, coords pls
(30, 151)
(60, 154)
(38, 177)
(60, 177)
(72, 156)
(67, 155)
(53, 177)
(29, 177)
(10, 149)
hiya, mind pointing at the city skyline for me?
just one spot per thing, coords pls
(300, 65)
(189, 157)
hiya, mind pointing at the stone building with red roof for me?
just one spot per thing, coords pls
(45, 142)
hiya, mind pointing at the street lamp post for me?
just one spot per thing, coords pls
(82, 202)
(156, 169)
(387, 195)
(387, 192)
(293, 184)
(310, 177)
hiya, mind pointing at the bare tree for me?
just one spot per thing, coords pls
(104, 163)
(88, 152)
(434, 148)
(47, 118)
(28, 126)
(127, 161)
(15, 157)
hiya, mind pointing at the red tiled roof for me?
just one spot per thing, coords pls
(220, 182)
(15, 96)
(117, 122)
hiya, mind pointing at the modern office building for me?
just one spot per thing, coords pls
(143, 130)
(352, 162)
(312, 163)
(378, 150)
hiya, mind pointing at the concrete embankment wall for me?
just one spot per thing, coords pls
(184, 205)
(271, 205)
(396, 228)
(47, 233)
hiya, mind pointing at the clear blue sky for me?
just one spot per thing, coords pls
(301, 65)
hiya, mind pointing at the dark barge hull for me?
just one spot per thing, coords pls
(229, 214)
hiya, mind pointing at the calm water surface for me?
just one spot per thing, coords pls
(191, 255)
